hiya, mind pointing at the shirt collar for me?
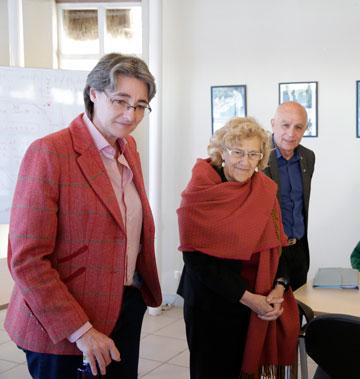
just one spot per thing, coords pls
(100, 141)
(278, 154)
(294, 158)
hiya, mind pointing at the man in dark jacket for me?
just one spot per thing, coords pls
(291, 166)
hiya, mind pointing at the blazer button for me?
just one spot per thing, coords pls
(304, 170)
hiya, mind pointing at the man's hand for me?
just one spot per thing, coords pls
(98, 348)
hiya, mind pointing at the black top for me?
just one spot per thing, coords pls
(208, 281)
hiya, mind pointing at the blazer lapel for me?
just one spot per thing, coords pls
(305, 174)
(133, 159)
(131, 155)
(274, 171)
(93, 168)
(98, 179)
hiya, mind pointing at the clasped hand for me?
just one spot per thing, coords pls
(266, 307)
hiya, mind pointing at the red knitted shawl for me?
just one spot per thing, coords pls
(234, 220)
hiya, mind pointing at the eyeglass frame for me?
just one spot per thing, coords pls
(258, 155)
(128, 106)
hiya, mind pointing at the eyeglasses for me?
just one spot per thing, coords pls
(121, 105)
(240, 154)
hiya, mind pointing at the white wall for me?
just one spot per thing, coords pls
(6, 281)
(38, 32)
(260, 43)
(4, 33)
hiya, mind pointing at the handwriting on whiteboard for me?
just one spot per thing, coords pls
(33, 103)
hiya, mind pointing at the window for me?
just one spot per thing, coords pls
(88, 31)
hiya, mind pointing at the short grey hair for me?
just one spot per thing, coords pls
(104, 75)
(235, 131)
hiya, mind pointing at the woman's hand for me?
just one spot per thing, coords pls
(275, 298)
(99, 349)
(257, 303)
(266, 307)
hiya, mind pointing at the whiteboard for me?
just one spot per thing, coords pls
(33, 103)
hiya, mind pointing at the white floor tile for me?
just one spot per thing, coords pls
(19, 372)
(312, 366)
(167, 371)
(153, 323)
(159, 348)
(4, 337)
(163, 351)
(144, 334)
(175, 330)
(2, 318)
(147, 365)
(5, 365)
(174, 312)
(181, 359)
(10, 352)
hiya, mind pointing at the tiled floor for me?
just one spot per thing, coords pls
(163, 352)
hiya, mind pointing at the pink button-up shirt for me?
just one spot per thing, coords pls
(121, 178)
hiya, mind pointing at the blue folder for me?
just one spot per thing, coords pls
(336, 277)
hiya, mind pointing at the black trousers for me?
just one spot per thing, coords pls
(295, 258)
(126, 336)
(216, 342)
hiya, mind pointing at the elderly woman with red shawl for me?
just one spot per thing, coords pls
(241, 319)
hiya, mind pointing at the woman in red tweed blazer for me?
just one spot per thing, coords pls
(68, 236)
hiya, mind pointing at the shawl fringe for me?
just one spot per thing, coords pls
(272, 372)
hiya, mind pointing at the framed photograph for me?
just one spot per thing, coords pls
(304, 93)
(358, 109)
(227, 102)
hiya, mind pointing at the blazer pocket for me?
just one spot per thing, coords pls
(73, 255)
(32, 315)
(74, 275)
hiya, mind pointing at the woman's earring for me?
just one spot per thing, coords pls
(256, 169)
(223, 164)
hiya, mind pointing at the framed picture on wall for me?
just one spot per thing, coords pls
(227, 102)
(306, 94)
(358, 109)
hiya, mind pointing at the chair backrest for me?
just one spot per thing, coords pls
(333, 342)
(305, 312)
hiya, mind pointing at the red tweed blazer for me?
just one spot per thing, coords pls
(67, 243)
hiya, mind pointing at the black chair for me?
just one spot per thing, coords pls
(306, 315)
(333, 342)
